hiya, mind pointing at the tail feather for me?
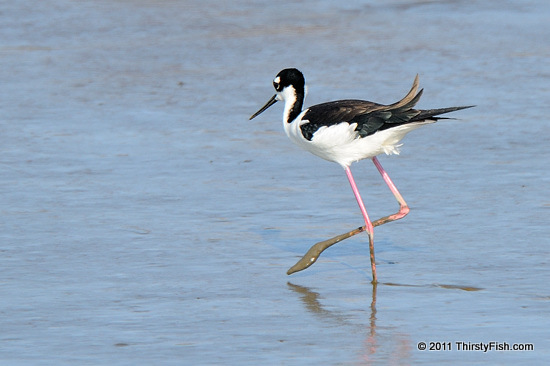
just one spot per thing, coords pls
(434, 113)
(411, 95)
(378, 117)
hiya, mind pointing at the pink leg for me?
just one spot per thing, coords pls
(315, 251)
(369, 227)
(403, 207)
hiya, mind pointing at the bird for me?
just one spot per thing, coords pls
(347, 131)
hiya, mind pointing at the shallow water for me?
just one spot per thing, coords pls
(145, 220)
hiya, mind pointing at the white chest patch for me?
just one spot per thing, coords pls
(341, 144)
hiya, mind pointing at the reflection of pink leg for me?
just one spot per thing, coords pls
(403, 208)
(369, 227)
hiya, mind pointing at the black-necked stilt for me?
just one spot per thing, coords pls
(346, 131)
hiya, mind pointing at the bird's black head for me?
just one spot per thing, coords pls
(289, 77)
(290, 85)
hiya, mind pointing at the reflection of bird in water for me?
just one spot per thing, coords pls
(311, 299)
(376, 346)
(346, 131)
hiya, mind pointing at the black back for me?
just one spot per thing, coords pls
(370, 117)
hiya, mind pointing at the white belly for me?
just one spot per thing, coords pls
(342, 144)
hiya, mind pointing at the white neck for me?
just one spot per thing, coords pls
(290, 97)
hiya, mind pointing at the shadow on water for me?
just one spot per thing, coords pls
(449, 287)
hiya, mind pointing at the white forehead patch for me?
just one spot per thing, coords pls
(277, 80)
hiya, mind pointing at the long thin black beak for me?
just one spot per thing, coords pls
(267, 105)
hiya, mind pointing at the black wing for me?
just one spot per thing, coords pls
(370, 117)
(332, 113)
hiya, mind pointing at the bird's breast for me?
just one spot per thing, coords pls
(332, 143)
